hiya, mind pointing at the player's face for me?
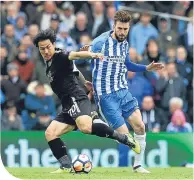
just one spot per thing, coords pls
(47, 49)
(121, 30)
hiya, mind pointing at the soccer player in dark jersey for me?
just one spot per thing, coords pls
(76, 112)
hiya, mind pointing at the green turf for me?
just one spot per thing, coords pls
(104, 173)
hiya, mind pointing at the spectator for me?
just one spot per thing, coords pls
(32, 8)
(12, 13)
(55, 22)
(179, 25)
(171, 54)
(9, 41)
(84, 65)
(40, 65)
(25, 66)
(142, 32)
(86, 7)
(20, 28)
(39, 105)
(178, 123)
(13, 87)
(80, 26)
(3, 9)
(175, 103)
(143, 5)
(33, 31)
(4, 60)
(139, 86)
(38, 74)
(68, 16)
(108, 22)
(64, 40)
(186, 38)
(152, 54)
(153, 117)
(18, 5)
(10, 120)
(43, 18)
(134, 57)
(169, 85)
(167, 36)
(98, 17)
(27, 45)
(184, 68)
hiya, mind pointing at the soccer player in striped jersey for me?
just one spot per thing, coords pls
(111, 92)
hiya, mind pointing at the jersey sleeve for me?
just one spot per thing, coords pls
(133, 66)
(65, 55)
(97, 46)
(98, 42)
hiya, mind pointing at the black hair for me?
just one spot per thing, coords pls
(44, 35)
(3, 46)
(39, 84)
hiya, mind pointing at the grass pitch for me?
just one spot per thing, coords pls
(104, 174)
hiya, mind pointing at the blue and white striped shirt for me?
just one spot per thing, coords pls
(110, 74)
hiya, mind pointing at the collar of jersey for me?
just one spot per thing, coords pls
(49, 62)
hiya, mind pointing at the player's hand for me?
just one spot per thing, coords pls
(89, 85)
(90, 95)
(154, 66)
(84, 48)
(97, 56)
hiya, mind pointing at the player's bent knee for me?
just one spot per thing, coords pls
(140, 129)
(84, 123)
(86, 129)
(50, 134)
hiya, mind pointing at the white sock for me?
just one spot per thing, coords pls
(142, 142)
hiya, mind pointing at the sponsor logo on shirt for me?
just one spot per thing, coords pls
(115, 59)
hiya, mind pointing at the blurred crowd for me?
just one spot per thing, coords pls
(165, 97)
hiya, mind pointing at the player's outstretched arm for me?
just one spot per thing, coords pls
(154, 66)
(140, 68)
(84, 55)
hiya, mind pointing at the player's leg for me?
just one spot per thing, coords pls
(133, 115)
(135, 120)
(57, 146)
(109, 108)
(97, 127)
(94, 125)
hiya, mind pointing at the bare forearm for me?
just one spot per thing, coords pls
(80, 55)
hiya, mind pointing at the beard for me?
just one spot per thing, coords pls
(120, 39)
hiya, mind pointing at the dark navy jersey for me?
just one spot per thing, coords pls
(62, 76)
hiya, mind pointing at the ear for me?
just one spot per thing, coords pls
(113, 26)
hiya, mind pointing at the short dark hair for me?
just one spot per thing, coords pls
(39, 84)
(44, 35)
(122, 16)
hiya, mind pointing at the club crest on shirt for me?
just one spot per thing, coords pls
(50, 76)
